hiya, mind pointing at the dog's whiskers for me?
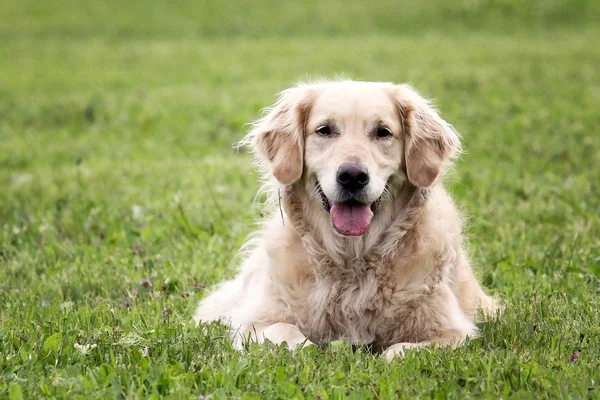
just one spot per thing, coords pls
(315, 191)
(387, 194)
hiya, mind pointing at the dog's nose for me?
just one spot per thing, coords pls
(352, 177)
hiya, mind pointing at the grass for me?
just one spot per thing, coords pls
(121, 197)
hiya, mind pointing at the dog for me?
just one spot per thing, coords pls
(363, 244)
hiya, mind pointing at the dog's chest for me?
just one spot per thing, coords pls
(353, 303)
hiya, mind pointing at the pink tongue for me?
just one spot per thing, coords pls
(351, 219)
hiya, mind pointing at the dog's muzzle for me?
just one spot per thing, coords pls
(350, 217)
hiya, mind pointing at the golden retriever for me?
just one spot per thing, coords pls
(363, 243)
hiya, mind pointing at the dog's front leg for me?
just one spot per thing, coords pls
(449, 339)
(279, 333)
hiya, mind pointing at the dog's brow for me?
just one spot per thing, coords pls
(373, 125)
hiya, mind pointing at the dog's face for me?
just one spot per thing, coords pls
(349, 141)
(353, 146)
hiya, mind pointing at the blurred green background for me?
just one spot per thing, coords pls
(213, 19)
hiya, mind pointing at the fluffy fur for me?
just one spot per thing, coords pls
(407, 281)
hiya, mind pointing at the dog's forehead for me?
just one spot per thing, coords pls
(357, 101)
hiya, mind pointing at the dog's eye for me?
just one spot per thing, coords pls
(324, 130)
(383, 132)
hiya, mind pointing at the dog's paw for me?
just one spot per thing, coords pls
(285, 333)
(398, 349)
(300, 345)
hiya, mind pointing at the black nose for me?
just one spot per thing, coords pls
(352, 177)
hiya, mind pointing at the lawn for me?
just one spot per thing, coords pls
(122, 200)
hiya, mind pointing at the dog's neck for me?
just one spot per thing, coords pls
(396, 220)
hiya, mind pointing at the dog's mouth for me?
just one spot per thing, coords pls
(350, 217)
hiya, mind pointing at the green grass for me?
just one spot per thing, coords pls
(116, 170)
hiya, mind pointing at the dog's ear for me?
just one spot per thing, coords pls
(278, 137)
(429, 141)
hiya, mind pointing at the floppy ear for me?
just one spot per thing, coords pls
(429, 141)
(278, 138)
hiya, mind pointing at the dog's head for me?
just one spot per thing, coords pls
(351, 143)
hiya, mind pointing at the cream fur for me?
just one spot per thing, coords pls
(407, 282)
